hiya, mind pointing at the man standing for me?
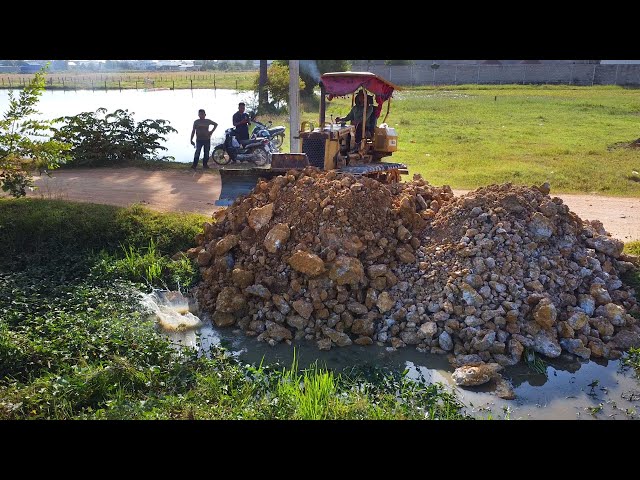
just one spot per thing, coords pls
(203, 138)
(241, 121)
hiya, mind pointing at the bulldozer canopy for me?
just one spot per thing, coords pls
(343, 83)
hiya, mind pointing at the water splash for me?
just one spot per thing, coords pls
(174, 317)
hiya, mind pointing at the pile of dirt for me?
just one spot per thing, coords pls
(339, 259)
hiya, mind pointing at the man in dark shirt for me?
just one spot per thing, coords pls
(203, 138)
(241, 121)
(356, 114)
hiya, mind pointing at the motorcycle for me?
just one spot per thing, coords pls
(274, 134)
(256, 150)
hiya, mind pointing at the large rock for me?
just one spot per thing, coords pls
(576, 347)
(577, 320)
(230, 300)
(600, 294)
(277, 237)
(307, 263)
(545, 313)
(428, 330)
(225, 244)
(541, 227)
(607, 245)
(626, 339)
(445, 341)
(470, 295)
(278, 332)
(346, 270)
(378, 270)
(259, 217)
(296, 321)
(385, 302)
(305, 309)
(242, 278)
(223, 319)
(473, 375)
(258, 291)
(204, 258)
(341, 339)
(363, 326)
(546, 345)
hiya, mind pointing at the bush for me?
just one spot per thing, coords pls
(22, 149)
(99, 138)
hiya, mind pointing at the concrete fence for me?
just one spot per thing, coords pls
(570, 74)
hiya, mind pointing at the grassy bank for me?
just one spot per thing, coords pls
(576, 138)
(75, 342)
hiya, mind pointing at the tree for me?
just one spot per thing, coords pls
(277, 85)
(22, 147)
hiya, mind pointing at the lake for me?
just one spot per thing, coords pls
(179, 107)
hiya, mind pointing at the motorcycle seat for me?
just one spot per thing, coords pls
(246, 142)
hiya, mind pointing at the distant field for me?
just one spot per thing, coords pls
(239, 80)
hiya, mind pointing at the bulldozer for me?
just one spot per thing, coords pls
(356, 149)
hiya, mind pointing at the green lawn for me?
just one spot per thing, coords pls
(576, 138)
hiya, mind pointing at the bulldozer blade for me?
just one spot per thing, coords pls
(235, 183)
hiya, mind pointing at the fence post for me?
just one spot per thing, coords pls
(615, 81)
(593, 76)
(478, 76)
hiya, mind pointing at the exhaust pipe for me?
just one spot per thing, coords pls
(323, 92)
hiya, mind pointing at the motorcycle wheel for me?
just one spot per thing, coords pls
(220, 156)
(260, 157)
(277, 141)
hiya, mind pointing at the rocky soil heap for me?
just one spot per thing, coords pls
(338, 259)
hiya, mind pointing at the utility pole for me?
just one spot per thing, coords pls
(294, 101)
(263, 95)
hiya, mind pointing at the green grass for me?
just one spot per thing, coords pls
(632, 248)
(76, 343)
(472, 136)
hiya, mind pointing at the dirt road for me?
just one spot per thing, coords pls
(196, 191)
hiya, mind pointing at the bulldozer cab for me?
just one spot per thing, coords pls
(376, 138)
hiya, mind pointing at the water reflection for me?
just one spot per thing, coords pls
(571, 389)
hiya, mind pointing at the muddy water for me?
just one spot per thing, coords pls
(571, 389)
